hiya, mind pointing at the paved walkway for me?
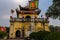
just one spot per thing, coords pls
(12, 39)
(15, 39)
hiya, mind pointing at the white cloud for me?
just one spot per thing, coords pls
(54, 22)
(6, 5)
(22, 2)
(6, 17)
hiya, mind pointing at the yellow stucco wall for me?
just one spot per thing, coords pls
(18, 26)
(39, 27)
(47, 27)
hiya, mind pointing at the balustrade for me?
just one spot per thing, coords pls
(32, 19)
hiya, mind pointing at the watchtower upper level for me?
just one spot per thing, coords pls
(31, 10)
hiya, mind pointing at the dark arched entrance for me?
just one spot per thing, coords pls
(18, 34)
(27, 17)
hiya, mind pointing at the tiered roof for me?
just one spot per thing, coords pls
(32, 8)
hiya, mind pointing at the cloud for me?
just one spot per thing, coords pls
(6, 17)
(7, 5)
(22, 2)
(54, 22)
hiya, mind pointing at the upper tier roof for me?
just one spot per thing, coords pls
(37, 11)
(26, 8)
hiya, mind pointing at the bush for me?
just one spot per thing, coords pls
(33, 35)
(26, 38)
(53, 36)
(42, 34)
(38, 35)
(2, 34)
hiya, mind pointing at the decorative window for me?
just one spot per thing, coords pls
(32, 4)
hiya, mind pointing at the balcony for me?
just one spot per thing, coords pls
(29, 20)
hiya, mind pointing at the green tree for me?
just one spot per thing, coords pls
(33, 35)
(38, 35)
(52, 28)
(53, 36)
(54, 10)
(2, 34)
(7, 29)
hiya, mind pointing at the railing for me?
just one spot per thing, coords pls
(31, 20)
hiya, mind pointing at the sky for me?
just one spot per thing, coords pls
(7, 5)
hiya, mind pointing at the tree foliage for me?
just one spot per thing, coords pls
(53, 36)
(7, 29)
(52, 28)
(56, 0)
(54, 10)
(38, 35)
(2, 34)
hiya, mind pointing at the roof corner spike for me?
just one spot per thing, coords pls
(19, 6)
(12, 11)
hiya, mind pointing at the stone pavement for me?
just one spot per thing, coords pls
(12, 39)
(15, 39)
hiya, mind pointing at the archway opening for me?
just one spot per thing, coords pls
(27, 17)
(18, 34)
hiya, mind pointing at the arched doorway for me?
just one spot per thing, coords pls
(27, 17)
(18, 34)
